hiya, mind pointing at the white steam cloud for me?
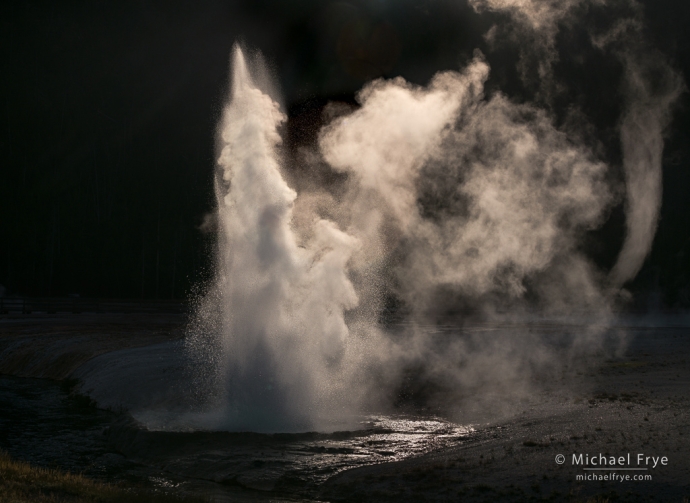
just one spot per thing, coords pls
(516, 192)
(280, 324)
(539, 15)
(651, 87)
(535, 28)
(454, 203)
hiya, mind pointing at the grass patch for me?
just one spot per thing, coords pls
(23, 483)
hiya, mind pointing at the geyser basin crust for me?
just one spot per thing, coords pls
(55, 347)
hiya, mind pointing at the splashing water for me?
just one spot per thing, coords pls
(450, 198)
(283, 334)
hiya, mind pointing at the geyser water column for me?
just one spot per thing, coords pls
(283, 338)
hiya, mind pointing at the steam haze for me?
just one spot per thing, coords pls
(452, 203)
(650, 86)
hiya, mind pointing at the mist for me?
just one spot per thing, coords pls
(650, 86)
(456, 206)
(276, 310)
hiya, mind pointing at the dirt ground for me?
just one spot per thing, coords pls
(638, 404)
(54, 346)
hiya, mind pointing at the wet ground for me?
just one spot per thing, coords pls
(42, 423)
(637, 403)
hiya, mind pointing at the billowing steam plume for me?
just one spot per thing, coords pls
(453, 203)
(479, 194)
(651, 87)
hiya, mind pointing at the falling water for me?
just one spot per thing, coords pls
(452, 197)
(282, 332)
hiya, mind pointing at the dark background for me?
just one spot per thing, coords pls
(109, 110)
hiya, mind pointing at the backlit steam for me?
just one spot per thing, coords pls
(282, 332)
(514, 192)
(651, 88)
(454, 203)
(535, 28)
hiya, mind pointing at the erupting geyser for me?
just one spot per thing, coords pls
(449, 197)
(282, 332)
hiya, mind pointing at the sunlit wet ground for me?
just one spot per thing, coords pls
(629, 403)
(40, 422)
(285, 463)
